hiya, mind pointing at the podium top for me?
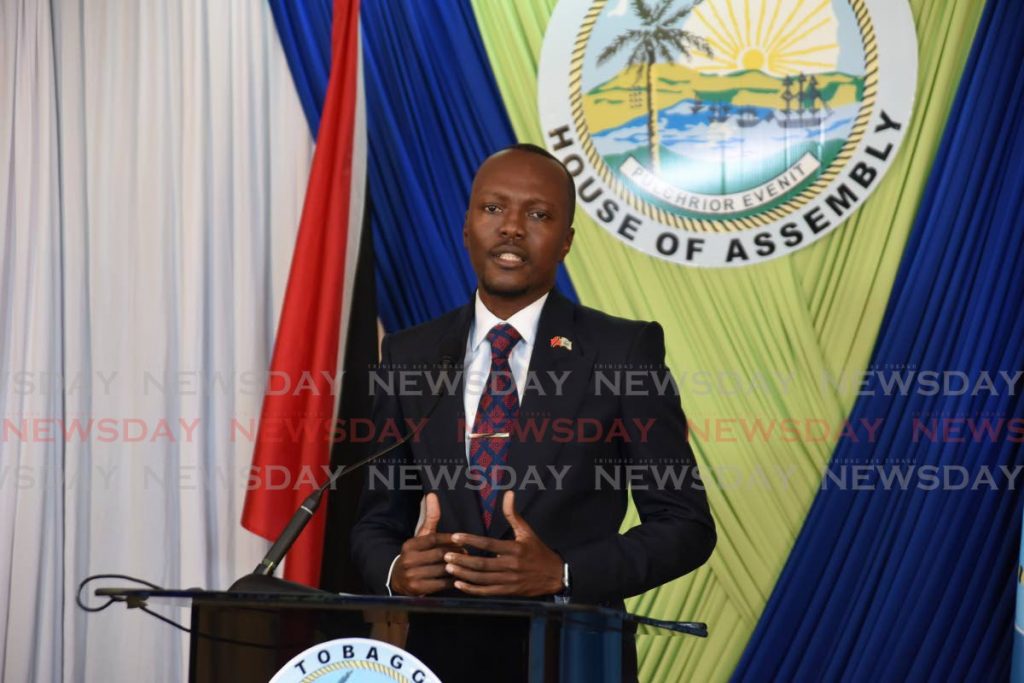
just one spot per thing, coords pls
(322, 600)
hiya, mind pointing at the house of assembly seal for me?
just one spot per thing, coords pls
(726, 132)
(354, 660)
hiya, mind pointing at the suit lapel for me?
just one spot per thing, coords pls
(445, 451)
(556, 384)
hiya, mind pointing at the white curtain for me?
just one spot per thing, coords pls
(153, 163)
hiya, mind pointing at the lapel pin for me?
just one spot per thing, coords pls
(561, 343)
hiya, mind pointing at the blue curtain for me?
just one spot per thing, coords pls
(434, 113)
(305, 31)
(911, 584)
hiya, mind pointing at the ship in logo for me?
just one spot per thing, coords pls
(803, 108)
(806, 100)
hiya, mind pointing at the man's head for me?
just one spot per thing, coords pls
(518, 225)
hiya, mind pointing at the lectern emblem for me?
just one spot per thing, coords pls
(354, 660)
(726, 132)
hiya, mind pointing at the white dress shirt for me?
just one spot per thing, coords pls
(478, 354)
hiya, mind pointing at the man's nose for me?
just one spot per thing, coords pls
(514, 225)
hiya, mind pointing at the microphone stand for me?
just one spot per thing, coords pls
(262, 577)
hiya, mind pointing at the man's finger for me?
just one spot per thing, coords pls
(492, 591)
(452, 548)
(481, 564)
(432, 586)
(417, 558)
(428, 541)
(484, 543)
(435, 570)
(481, 578)
(431, 515)
(518, 524)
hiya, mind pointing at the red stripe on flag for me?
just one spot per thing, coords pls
(293, 441)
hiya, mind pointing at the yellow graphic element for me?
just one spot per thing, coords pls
(357, 664)
(779, 37)
(753, 58)
(617, 101)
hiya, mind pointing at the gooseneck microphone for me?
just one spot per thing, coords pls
(309, 506)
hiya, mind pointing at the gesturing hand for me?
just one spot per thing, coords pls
(523, 567)
(419, 569)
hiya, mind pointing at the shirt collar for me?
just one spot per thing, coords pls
(525, 321)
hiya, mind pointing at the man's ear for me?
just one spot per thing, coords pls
(568, 243)
(465, 230)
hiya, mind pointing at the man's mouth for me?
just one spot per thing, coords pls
(509, 257)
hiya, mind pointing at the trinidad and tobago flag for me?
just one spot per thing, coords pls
(328, 323)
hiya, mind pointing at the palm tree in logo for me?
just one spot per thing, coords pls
(658, 37)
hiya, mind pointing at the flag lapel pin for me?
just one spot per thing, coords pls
(561, 343)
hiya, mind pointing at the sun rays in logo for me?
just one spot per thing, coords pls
(779, 37)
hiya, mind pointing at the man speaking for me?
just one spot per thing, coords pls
(558, 412)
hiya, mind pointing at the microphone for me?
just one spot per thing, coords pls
(309, 506)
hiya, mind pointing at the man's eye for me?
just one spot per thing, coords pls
(492, 208)
(540, 215)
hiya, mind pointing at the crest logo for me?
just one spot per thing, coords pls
(354, 660)
(726, 132)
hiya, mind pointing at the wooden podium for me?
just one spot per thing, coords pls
(248, 634)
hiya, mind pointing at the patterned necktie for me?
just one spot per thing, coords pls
(499, 406)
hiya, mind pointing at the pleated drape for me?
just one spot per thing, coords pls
(153, 159)
(433, 115)
(751, 347)
(304, 29)
(31, 470)
(917, 583)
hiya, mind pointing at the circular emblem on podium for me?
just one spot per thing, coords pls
(726, 132)
(354, 660)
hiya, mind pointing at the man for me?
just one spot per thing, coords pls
(561, 405)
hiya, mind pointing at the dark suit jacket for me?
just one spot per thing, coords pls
(612, 383)
(581, 521)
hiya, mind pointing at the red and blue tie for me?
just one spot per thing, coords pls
(499, 407)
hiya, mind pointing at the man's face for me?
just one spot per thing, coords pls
(518, 225)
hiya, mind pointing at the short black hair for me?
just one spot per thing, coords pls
(571, 183)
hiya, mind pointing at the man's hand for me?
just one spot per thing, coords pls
(524, 567)
(420, 568)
